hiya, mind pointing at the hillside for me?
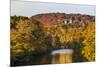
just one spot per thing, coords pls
(54, 18)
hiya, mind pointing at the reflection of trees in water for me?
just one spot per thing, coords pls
(61, 58)
(41, 59)
(55, 59)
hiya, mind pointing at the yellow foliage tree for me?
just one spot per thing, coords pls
(88, 49)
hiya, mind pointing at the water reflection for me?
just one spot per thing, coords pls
(62, 56)
(55, 57)
(41, 59)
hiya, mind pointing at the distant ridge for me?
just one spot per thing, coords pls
(54, 18)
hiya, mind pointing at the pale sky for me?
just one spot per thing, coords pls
(26, 8)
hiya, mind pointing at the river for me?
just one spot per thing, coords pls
(59, 56)
(55, 57)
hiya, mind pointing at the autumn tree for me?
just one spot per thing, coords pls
(26, 39)
(88, 50)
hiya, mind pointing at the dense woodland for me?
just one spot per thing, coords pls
(43, 33)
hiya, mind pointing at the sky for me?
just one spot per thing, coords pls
(29, 8)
